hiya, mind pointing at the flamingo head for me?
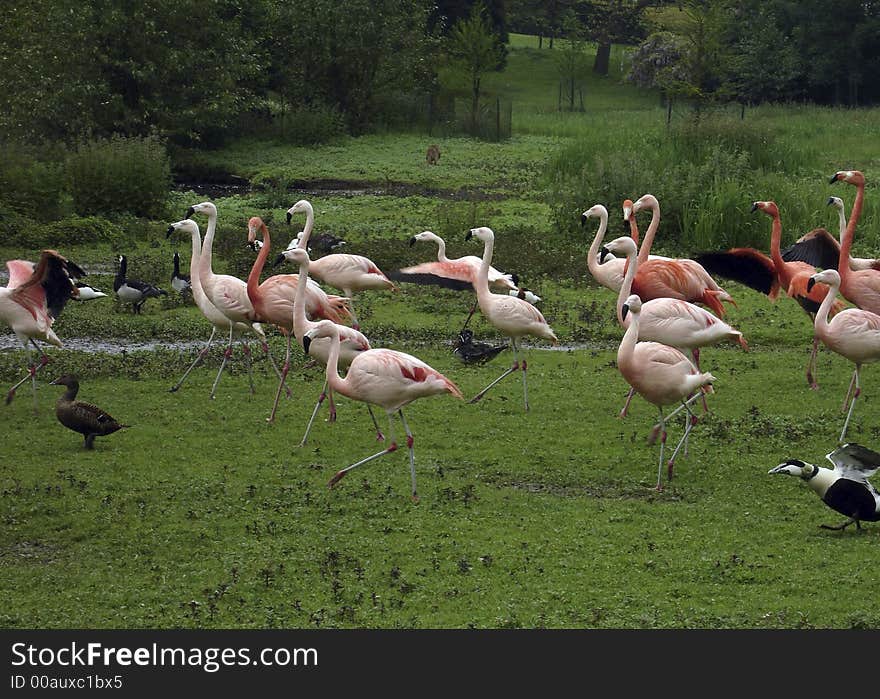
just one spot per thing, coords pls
(768, 207)
(483, 233)
(836, 202)
(206, 207)
(622, 247)
(298, 256)
(597, 211)
(646, 201)
(795, 467)
(849, 176)
(633, 305)
(423, 237)
(255, 224)
(187, 225)
(323, 328)
(301, 207)
(831, 277)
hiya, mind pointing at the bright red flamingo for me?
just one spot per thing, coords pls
(30, 302)
(673, 322)
(852, 333)
(351, 342)
(682, 279)
(768, 274)
(662, 375)
(513, 316)
(273, 300)
(350, 273)
(383, 377)
(861, 287)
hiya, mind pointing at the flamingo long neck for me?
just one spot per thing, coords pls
(841, 225)
(441, 249)
(645, 249)
(205, 271)
(482, 282)
(847, 240)
(334, 381)
(195, 279)
(592, 255)
(307, 231)
(628, 343)
(634, 229)
(775, 242)
(253, 280)
(632, 264)
(300, 321)
(821, 322)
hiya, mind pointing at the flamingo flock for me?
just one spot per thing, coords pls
(667, 308)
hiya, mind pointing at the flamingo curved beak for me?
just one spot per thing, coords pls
(810, 284)
(584, 219)
(830, 201)
(279, 259)
(190, 212)
(754, 207)
(307, 341)
(289, 218)
(169, 232)
(834, 178)
(623, 311)
(412, 241)
(470, 234)
(603, 253)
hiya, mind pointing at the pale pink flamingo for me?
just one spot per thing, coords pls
(861, 287)
(228, 294)
(853, 333)
(513, 316)
(30, 302)
(607, 271)
(219, 321)
(273, 300)
(350, 273)
(678, 278)
(351, 342)
(662, 375)
(673, 322)
(768, 274)
(383, 377)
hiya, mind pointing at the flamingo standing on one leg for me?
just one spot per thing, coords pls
(384, 377)
(351, 342)
(853, 333)
(30, 302)
(273, 300)
(672, 322)
(228, 294)
(660, 374)
(350, 273)
(513, 316)
(218, 320)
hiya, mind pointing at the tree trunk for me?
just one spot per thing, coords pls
(603, 58)
(540, 41)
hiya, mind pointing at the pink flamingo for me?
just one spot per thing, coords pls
(853, 333)
(383, 377)
(351, 342)
(218, 320)
(662, 375)
(674, 278)
(347, 272)
(861, 287)
(513, 316)
(672, 322)
(273, 300)
(30, 302)
(768, 274)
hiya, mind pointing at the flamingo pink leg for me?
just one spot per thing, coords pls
(247, 360)
(625, 408)
(314, 413)
(31, 375)
(265, 346)
(284, 370)
(525, 386)
(226, 355)
(696, 355)
(811, 365)
(846, 400)
(852, 403)
(200, 357)
(512, 368)
(662, 447)
(690, 421)
(412, 459)
(391, 447)
(655, 431)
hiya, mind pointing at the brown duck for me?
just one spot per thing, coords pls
(87, 419)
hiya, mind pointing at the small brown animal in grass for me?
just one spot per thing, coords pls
(433, 156)
(87, 419)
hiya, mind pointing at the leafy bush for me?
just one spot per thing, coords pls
(119, 174)
(309, 124)
(31, 181)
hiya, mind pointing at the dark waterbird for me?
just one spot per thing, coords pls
(87, 419)
(474, 352)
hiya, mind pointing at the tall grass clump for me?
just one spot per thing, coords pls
(119, 174)
(31, 181)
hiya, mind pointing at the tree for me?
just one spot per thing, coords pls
(571, 60)
(475, 50)
(614, 22)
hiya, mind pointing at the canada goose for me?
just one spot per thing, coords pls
(133, 291)
(179, 282)
(845, 488)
